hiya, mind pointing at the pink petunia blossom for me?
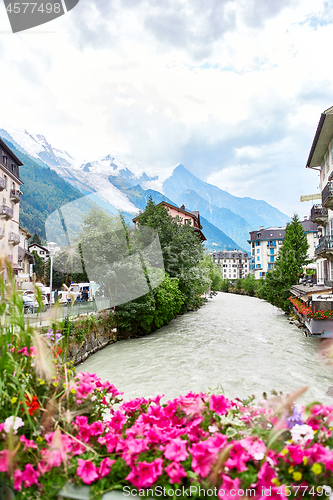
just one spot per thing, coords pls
(28, 443)
(4, 460)
(145, 474)
(176, 450)
(105, 467)
(229, 488)
(175, 472)
(18, 480)
(86, 471)
(30, 476)
(97, 428)
(219, 404)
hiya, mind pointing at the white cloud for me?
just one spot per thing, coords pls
(233, 90)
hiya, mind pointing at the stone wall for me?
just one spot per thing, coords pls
(100, 334)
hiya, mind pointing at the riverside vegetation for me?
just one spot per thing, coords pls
(59, 426)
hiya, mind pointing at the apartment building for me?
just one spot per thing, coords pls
(266, 243)
(10, 183)
(234, 264)
(191, 218)
(321, 159)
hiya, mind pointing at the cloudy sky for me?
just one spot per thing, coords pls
(233, 89)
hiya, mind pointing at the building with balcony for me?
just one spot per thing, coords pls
(321, 159)
(10, 196)
(183, 216)
(234, 264)
(266, 243)
(25, 260)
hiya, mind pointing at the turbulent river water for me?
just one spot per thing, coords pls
(240, 344)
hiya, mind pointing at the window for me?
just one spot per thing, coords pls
(280, 242)
(271, 258)
(6, 180)
(4, 201)
(258, 235)
(272, 251)
(258, 258)
(258, 250)
(4, 159)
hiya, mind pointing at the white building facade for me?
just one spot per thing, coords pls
(234, 263)
(266, 243)
(321, 159)
(10, 194)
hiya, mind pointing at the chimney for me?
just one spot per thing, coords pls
(261, 228)
(182, 207)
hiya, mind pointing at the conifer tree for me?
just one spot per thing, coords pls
(289, 263)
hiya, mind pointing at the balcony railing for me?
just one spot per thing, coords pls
(15, 195)
(319, 214)
(6, 212)
(325, 246)
(2, 184)
(327, 195)
(14, 239)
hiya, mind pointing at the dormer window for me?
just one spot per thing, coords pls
(258, 235)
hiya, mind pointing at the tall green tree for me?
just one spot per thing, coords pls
(289, 263)
(39, 266)
(35, 239)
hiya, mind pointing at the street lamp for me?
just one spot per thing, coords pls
(51, 248)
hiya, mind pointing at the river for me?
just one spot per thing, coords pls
(239, 344)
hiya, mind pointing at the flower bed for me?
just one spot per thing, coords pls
(307, 311)
(194, 441)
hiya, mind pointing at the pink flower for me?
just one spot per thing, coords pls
(219, 404)
(176, 450)
(229, 488)
(145, 474)
(105, 467)
(86, 471)
(202, 458)
(237, 457)
(30, 476)
(117, 421)
(4, 460)
(97, 428)
(28, 443)
(18, 480)
(110, 440)
(175, 472)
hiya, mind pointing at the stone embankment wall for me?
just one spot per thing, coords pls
(96, 333)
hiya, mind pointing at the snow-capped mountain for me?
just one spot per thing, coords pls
(124, 183)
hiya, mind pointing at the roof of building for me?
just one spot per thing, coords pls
(322, 138)
(38, 245)
(271, 233)
(10, 152)
(230, 254)
(22, 252)
(309, 226)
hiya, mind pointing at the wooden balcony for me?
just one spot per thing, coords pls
(325, 247)
(15, 195)
(14, 239)
(6, 212)
(319, 214)
(327, 195)
(2, 184)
